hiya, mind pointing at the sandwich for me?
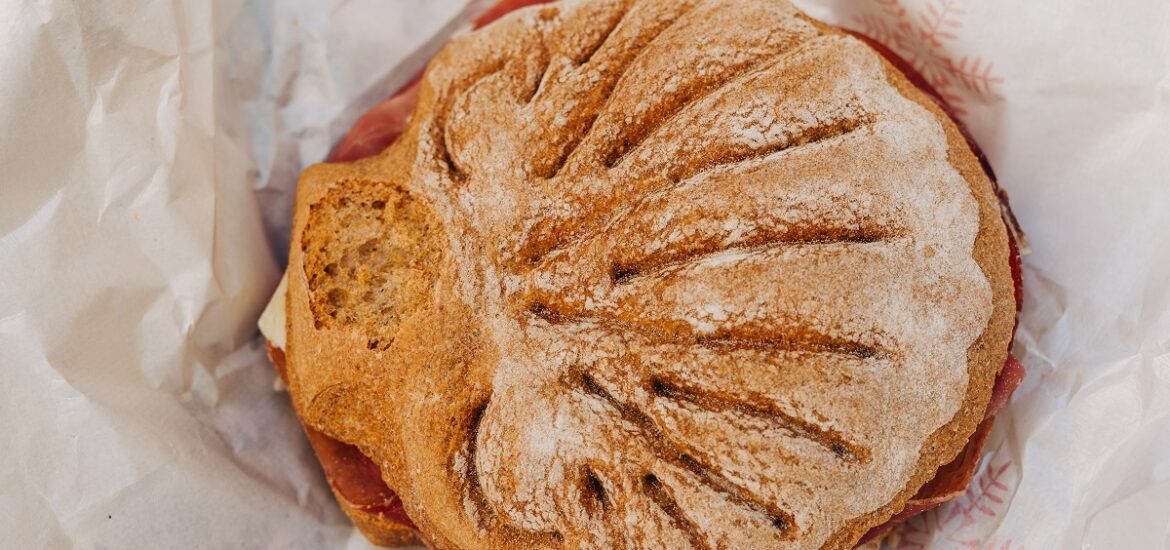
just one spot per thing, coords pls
(649, 274)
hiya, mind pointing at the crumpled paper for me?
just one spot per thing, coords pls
(149, 150)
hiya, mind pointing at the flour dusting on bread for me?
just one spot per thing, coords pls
(711, 275)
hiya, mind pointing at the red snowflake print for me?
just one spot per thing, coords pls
(958, 524)
(925, 36)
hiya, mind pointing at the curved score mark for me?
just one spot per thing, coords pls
(575, 140)
(474, 491)
(547, 13)
(596, 498)
(609, 86)
(765, 238)
(807, 137)
(585, 57)
(443, 118)
(545, 61)
(484, 513)
(653, 437)
(695, 93)
(807, 341)
(842, 448)
(661, 497)
(678, 176)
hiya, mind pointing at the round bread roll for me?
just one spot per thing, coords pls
(653, 274)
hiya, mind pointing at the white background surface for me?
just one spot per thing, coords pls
(147, 151)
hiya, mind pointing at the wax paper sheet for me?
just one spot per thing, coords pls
(148, 152)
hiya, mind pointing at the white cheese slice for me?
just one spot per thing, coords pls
(272, 321)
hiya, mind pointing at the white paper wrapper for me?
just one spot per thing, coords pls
(148, 151)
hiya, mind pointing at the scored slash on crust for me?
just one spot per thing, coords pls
(678, 283)
(655, 439)
(652, 176)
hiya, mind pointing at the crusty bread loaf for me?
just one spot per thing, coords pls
(653, 274)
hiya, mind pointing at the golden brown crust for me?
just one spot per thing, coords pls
(987, 354)
(377, 528)
(578, 285)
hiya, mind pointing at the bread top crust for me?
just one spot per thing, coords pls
(653, 274)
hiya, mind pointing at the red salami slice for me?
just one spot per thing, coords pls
(378, 128)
